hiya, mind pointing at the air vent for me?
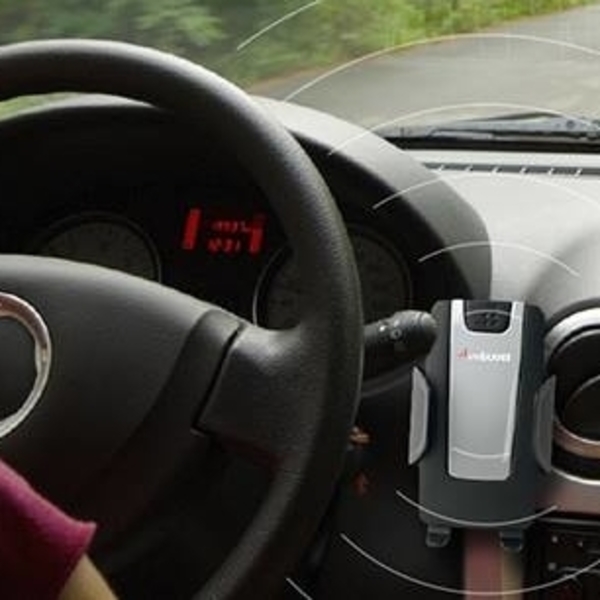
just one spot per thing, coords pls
(546, 170)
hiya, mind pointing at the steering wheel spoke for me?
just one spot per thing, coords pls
(259, 402)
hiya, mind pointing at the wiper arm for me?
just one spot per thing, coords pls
(519, 127)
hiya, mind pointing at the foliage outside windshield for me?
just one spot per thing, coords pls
(372, 61)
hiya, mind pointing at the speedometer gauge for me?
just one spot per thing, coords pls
(103, 240)
(383, 275)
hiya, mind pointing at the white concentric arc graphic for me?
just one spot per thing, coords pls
(445, 38)
(507, 245)
(288, 17)
(460, 592)
(583, 198)
(298, 589)
(466, 523)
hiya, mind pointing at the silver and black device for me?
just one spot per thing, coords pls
(481, 420)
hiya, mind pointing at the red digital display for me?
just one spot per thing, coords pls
(223, 234)
(192, 229)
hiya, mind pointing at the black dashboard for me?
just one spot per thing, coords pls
(123, 186)
(129, 187)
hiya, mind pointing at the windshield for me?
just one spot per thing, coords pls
(374, 62)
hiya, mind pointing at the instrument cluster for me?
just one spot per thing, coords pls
(224, 246)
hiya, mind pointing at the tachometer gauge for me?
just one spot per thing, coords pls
(383, 274)
(103, 240)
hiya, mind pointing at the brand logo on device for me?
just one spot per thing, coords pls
(485, 357)
(16, 309)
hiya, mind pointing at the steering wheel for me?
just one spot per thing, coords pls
(138, 376)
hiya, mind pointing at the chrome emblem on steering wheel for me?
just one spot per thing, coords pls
(17, 309)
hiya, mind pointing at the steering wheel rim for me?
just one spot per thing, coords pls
(322, 355)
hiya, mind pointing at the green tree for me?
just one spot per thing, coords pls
(183, 26)
(213, 31)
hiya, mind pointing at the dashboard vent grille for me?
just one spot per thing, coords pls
(548, 170)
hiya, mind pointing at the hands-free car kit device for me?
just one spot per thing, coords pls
(481, 420)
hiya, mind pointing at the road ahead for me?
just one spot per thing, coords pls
(505, 67)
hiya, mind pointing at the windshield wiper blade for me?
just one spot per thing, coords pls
(517, 127)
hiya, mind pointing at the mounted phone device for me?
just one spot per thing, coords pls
(481, 420)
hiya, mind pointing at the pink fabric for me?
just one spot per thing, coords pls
(39, 545)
